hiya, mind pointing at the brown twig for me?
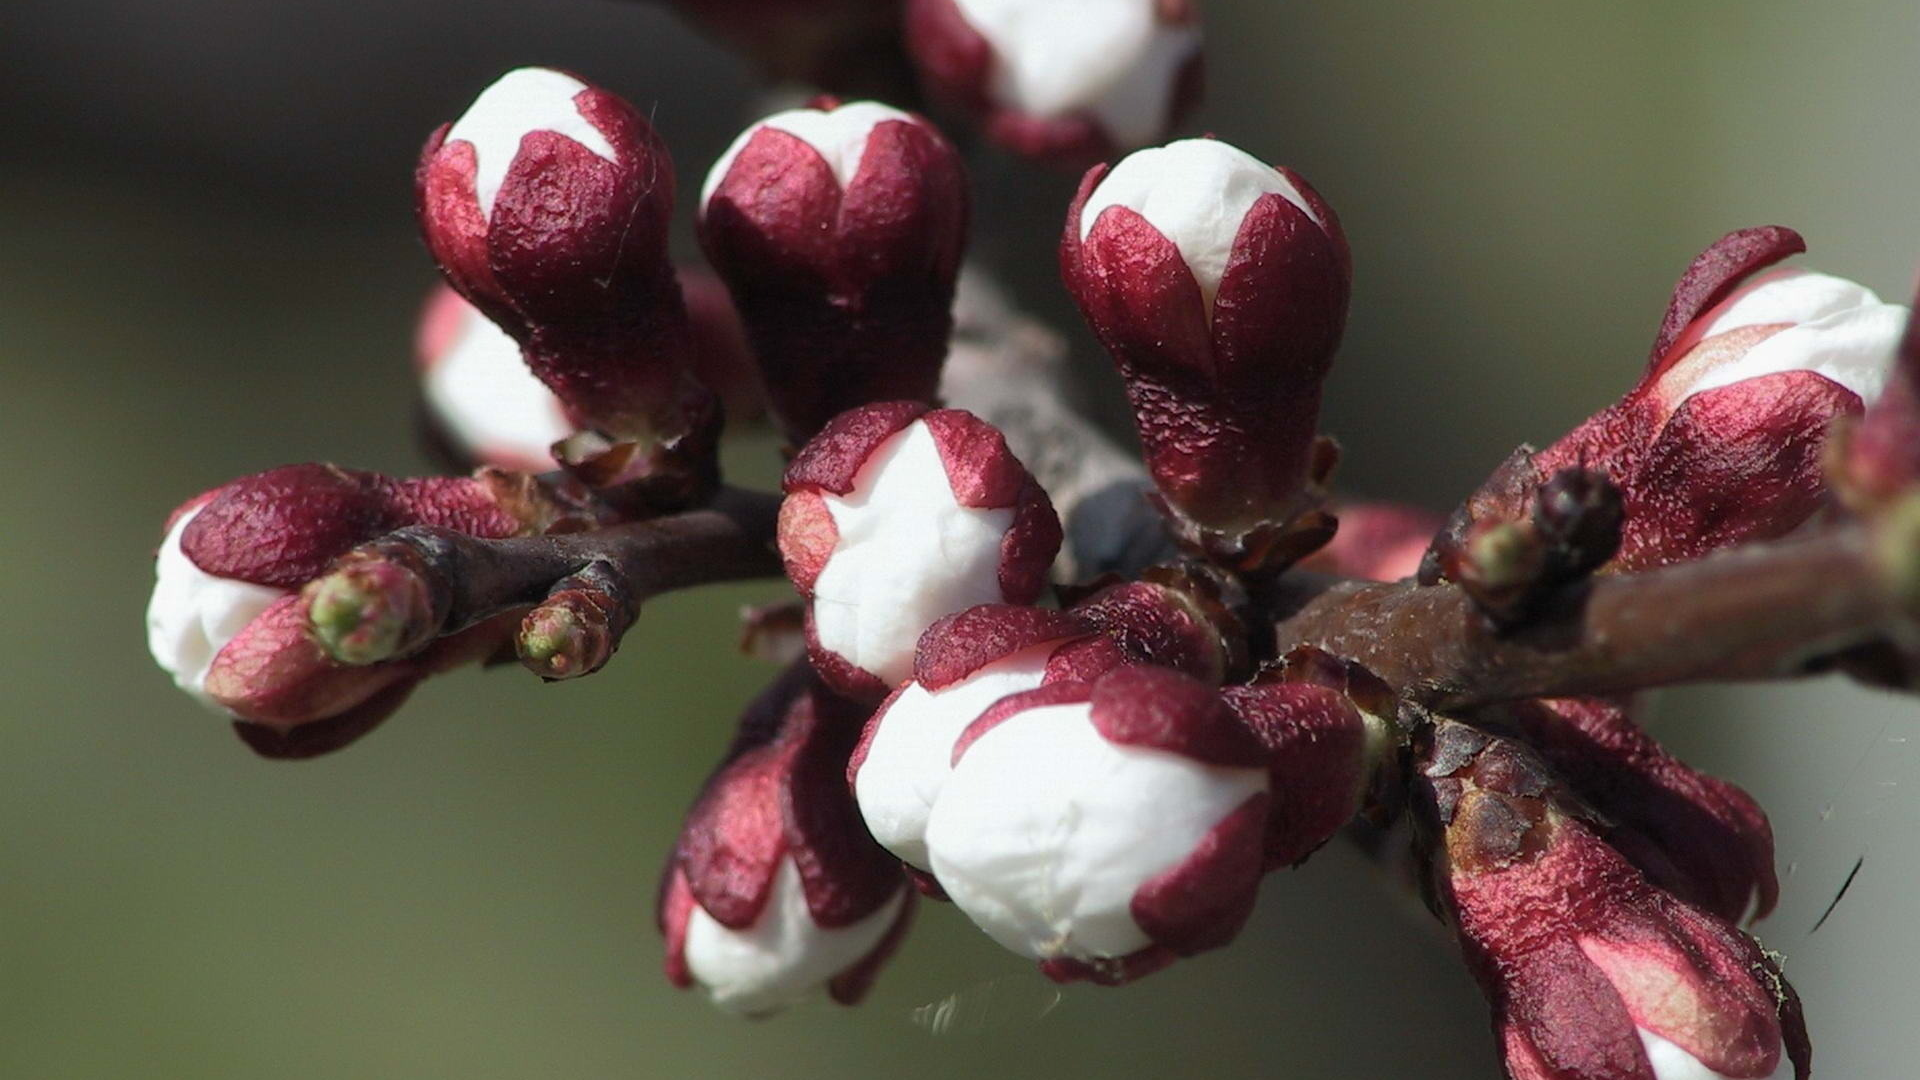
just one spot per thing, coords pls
(1774, 610)
(447, 581)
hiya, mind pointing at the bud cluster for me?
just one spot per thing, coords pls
(1100, 786)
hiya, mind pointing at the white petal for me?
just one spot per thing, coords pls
(1045, 831)
(488, 399)
(193, 614)
(1672, 1063)
(912, 749)
(784, 956)
(1196, 192)
(1855, 347)
(840, 135)
(1110, 58)
(908, 555)
(523, 100)
(1791, 295)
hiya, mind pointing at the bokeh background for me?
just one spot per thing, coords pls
(208, 267)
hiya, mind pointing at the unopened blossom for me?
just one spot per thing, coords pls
(480, 394)
(1066, 80)
(1219, 284)
(1722, 440)
(1104, 828)
(546, 205)
(965, 663)
(897, 515)
(1696, 836)
(1593, 973)
(774, 891)
(230, 623)
(839, 230)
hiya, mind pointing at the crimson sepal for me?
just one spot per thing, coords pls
(1574, 949)
(1713, 274)
(846, 295)
(284, 526)
(782, 792)
(293, 702)
(966, 641)
(1731, 465)
(1161, 709)
(1697, 836)
(1228, 408)
(1202, 903)
(1152, 623)
(1316, 743)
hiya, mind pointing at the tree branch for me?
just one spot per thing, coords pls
(393, 597)
(1765, 611)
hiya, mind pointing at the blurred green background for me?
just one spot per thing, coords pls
(208, 267)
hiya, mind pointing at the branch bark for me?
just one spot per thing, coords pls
(425, 583)
(1766, 611)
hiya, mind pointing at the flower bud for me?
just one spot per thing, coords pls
(1066, 80)
(483, 401)
(965, 663)
(775, 889)
(1593, 973)
(897, 515)
(547, 205)
(1721, 442)
(1696, 836)
(1106, 828)
(839, 230)
(1219, 285)
(228, 620)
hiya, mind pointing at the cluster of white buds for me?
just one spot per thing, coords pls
(1101, 787)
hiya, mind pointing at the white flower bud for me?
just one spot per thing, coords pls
(784, 956)
(1113, 59)
(1196, 192)
(911, 752)
(521, 101)
(909, 552)
(1045, 831)
(838, 134)
(193, 614)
